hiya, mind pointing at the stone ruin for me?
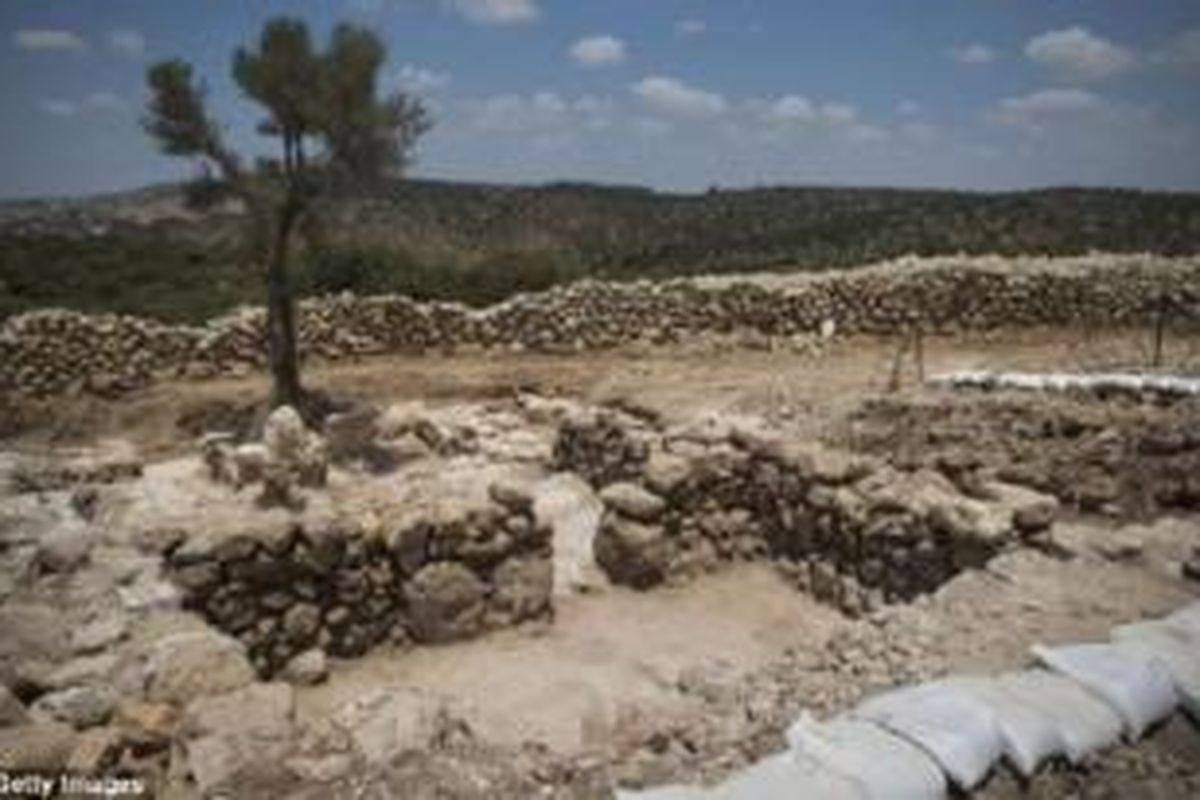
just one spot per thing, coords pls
(294, 572)
(851, 531)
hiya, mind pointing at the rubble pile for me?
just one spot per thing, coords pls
(54, 352)
(849, 530)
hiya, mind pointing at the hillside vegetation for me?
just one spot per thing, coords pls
(140, 252)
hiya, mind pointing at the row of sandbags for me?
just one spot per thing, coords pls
(914, 743)
(1098, 383)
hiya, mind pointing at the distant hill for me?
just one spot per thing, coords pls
(143, 252)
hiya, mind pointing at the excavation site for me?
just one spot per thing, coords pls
(618, 540)
(624, 400)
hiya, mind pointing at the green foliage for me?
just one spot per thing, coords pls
(479, 244)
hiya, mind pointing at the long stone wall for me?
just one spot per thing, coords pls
(55, 352)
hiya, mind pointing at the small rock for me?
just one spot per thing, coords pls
(631, 553)
(301, 622)
(99, 634)
(95, 751)
(320, 769)
(511, 496)
(83, 670)
(308, 668)
(64, 550)
(446, 602)
(12, 711)
(633, 501)
(184, 666)
(40, 746)
(522, 587)
(80, 706)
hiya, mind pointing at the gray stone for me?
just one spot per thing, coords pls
(512, 496)
(522, 587)
(99, 634)
(633, 501)
(301, 622)
(39, 746)
(308, 668)
(284, 434)
(666, 471)
(64, 550)
(184, 666)
(83, 670)
(12, 711)
(446, 602)
(631, 553)
(80, 706)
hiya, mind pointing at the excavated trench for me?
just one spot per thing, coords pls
(850, 531)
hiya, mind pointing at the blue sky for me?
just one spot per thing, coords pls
(676, 94)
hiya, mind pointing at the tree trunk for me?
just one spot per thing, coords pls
(281, 323)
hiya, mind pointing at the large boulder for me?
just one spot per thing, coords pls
(445, 601)
(184, 666)
(631, 553)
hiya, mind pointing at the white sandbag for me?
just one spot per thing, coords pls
(1187, 618)
(1085, 722)
(1140, 689)
(1176, 646)
(1029, 734)
(785, 776)
(946, 722)
(664, 793)
(885, 766)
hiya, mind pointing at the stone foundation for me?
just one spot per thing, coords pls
(345, 586)
(850, 531)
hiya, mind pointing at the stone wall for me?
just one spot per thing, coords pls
(334, 584)
(851, 531)
(54, 352)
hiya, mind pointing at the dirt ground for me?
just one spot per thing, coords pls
(688, 682)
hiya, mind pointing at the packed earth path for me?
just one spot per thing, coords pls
(608, 685)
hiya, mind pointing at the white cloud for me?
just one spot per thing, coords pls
(413, 78)
(920, 132)
(864, 133)
(104, 101)
(128, 43)
(59, 108)
(98, 102)
(792, 108)
(691, 27)
(1033, 111)
(596, 51)
(1077, 53)
(539, 112)
(907, 107)
(672, 96)
(839, 113)
(497, 12)
(48, 39)
(973, 54)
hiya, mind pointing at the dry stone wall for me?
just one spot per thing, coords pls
(851, 531)
(53, 352)
(332, 583)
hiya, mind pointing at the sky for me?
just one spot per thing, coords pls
(673, 94)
